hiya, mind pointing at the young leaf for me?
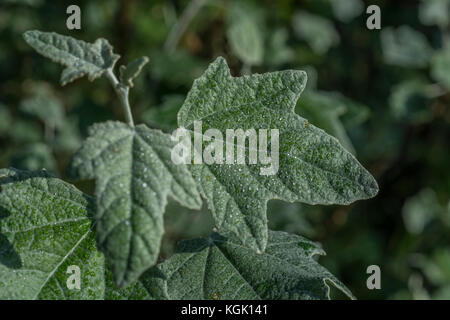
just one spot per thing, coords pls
(220, 268)
(313, 167)
(45, 227)
(135, 291)
(79, 57)
(131, 71)
(134, 174)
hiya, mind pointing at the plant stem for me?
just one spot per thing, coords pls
(180, 26)
(122, 93)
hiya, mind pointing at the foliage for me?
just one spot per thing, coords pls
(391, 113)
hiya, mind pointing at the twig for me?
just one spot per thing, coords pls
(122, 93)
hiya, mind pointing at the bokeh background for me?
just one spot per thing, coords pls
(384, 94)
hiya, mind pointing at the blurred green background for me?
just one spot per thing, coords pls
(383, 93)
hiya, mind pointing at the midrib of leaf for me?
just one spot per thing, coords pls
(46, 225)
(61, 262)
(231, 199)
(128, 164)
(237, 271)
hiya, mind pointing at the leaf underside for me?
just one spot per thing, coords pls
(314, 167)
(134, 175)
(221, 268)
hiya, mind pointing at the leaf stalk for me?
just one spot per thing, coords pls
(122, 92)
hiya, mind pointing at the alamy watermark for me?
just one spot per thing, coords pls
(239, 145)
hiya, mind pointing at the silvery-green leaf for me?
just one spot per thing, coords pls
(317, 31)
(244, 34)
(45, 227)
(405, 47)
(435, 12)
(80, 58)
(131, 71)
(313, 166)
(347, 10)
(134, 175)
(440, 66)
(135, 291)
(220, 267)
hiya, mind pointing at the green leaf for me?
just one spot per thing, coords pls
(134, 175)
(45, 227)
(405, 47)
(131, 71)
(278, 52)
(313, 167)
(435, 12)
(347, 10)
(440, 66)
(317, 31)
(220, 268)
(244, 34)
(80, 58)
(135, 291)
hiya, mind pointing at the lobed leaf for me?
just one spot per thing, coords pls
(80, 58)
(131, 71)
(313, 167)
(134, 175)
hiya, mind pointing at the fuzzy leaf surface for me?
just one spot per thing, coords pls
(80, 58)
(45, 227)
(220, 267)
(134, 175)
(313, 167)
